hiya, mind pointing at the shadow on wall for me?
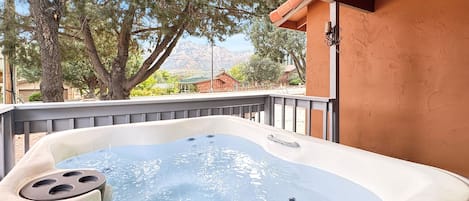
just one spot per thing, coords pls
(381, 4)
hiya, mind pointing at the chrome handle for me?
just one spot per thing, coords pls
(283, 142)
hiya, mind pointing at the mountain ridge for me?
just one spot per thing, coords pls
(191, 57)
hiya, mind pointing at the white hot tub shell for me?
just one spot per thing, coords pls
(389, 178)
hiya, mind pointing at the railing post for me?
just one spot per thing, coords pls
(295, 102)
(2, 149)
(268, 110)
(7, 157)
(335, 136)
(325, 121)
(309, 110)
(282, 117)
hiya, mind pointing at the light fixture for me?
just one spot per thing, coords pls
(332, 36)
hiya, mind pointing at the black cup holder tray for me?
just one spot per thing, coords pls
(63, 185)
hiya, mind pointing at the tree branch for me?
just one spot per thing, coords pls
(165, 55)
(298, 66)
(71, 36)
(240, 11)
(101, 72)
(25, 27)
(147, 69)
(70, 27)
(146, 29)
(124, 36)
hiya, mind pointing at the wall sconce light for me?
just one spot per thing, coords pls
(332, 34)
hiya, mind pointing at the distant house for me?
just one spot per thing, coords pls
(286, 74)
(26, 89)
(222, 82)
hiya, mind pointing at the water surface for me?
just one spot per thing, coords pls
(212, 168)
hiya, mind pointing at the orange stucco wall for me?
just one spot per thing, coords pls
(317, 60)
(404, 79)
(317, 57)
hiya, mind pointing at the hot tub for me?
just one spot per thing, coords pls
(382, 177)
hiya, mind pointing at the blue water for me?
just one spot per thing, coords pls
(212, 168)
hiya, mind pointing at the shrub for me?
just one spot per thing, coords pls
(295, 81)
(36, 96)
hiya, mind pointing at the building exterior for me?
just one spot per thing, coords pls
(286, 75)
(26, 89)
(403, 75)
(221, 83)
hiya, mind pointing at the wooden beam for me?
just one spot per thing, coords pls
(285, 18)
(289, 25)
(301, 23)
(367, 5)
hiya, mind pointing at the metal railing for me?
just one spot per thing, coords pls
(25, 119)
(7, 155)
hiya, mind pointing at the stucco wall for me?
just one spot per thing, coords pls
(317, 60)
(404, 79)
(317, 57)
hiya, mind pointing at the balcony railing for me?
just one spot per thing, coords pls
(271, 109)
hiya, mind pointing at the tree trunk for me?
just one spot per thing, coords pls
(300, 66)
(116, 88)
(92, 83)
(113, 84)
(9, 45)
(102, 91)
(46, 15)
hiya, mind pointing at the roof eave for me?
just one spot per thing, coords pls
(285, 21)
(281, 17)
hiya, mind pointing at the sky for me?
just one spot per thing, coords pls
(235, 43)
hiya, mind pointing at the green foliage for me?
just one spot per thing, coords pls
(237, 72)
(152, 27)
(28, 62)
(147, 84)
(16, 41)
(149, 88)
(8, 28)
(163, 76)
(192, 88)
(37, 96)
(276, 44)
(262, 70)
(294, 79)
(77, 69)
(156, 26)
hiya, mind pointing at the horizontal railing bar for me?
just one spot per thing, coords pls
(6, 108)
(46, 113)
(299, 97)
(309, 104)
(133, 102)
